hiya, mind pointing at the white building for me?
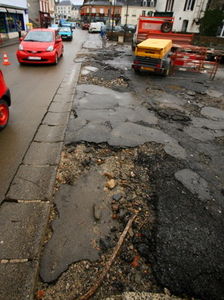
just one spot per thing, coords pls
(12, 12)
(133, 9)
(64, 9)
(187, 13)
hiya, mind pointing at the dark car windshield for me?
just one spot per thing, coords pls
(65, 29)
(39, 36)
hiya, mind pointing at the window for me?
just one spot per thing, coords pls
(189, 5)
(184, 26)
(169, 5)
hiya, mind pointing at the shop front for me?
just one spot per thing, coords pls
(12, 20)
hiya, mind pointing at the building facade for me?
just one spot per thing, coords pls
(76, 12)
(64, 9)
(187, 13)
(12, 13)
(104, 11)
(133, 9)
(39, 13)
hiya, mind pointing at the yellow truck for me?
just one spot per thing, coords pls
(153, 55)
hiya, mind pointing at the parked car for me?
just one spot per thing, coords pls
(53, 26)
(129, 28)
(73, 25)
(118, 28)
(40, 46)
(5, 102)
(66, 33)
(95, 26)
(85, 26)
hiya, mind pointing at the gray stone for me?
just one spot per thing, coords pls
(50, 134)
(97, 212)
(55, 119)
(90, 68)
(194, 183)
(205, 123)
(129, 134)
(37, 183)
(92, 132)
(59, 107)
(142, 296)
(117, 197)
(43, 154)
(22, 229)
(191, 93)
(213, 113)
(17, 281)
(175, 150)
(200, 134)
(75, 232)
(214, 93)
(168, 100)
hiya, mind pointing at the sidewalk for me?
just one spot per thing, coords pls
(24, 213)
(9, 42)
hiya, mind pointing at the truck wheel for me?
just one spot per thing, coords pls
(4, 114)
(166, 27)
(133, 45)
(166, 72)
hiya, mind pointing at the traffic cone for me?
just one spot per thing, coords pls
(6, 60)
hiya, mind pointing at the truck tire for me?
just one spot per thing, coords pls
(133, 45)
(166, 27)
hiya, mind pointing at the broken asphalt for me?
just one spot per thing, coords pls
(174, 126)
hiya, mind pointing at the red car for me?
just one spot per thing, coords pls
(40, 45)
(5, 102)
(85, 26)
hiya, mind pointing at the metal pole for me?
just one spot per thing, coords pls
(113, 16)
(126, 21)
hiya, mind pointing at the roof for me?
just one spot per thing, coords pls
(101, 2)
(64, 3)
(155, 44)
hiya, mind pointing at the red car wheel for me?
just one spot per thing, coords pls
(4, 114)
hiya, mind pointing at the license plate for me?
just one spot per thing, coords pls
(34, 57)
(147, 69)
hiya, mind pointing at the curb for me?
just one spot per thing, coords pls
(26, 208)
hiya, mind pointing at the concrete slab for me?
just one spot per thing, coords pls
(59, 107)
(200, 134)
(63, 98)
(194, 183)
(205, 123)
(56, 119)
(50, 134)
(76, 232)
(43, 154)
(37, 183)
(213, 113)
(22, 227)
(93, 132)
(18, 282)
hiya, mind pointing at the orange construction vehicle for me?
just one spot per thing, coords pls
(159, 28)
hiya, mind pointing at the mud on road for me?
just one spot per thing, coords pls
(140, 144)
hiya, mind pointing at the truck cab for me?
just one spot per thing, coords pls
(153, 55)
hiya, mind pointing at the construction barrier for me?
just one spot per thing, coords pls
(194, 59)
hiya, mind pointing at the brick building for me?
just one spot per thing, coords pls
(103, 11)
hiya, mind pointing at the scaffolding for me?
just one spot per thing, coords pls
(194, 59)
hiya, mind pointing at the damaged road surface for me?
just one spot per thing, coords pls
(145, 145)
